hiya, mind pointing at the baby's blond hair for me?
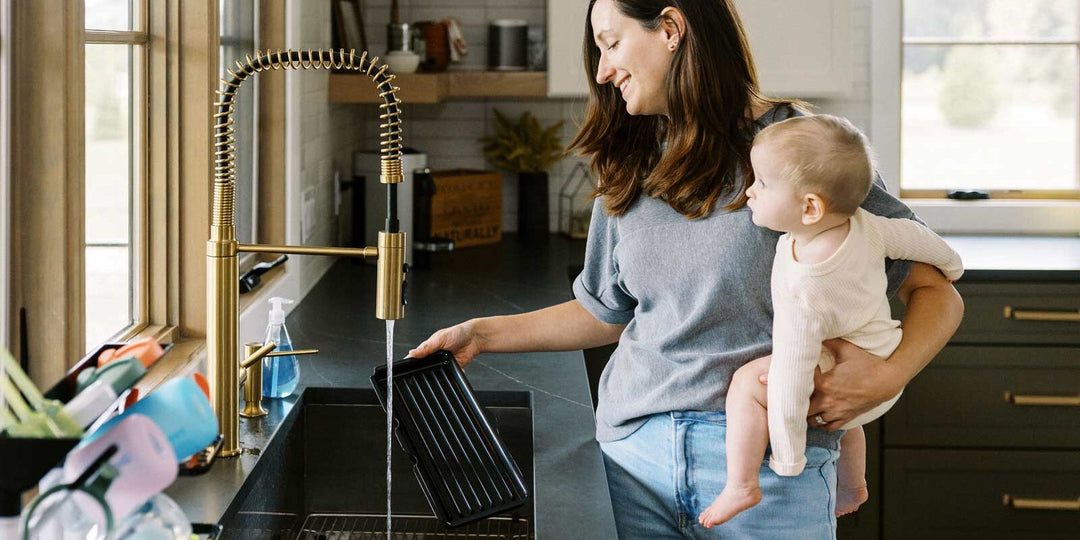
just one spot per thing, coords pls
(823, 154)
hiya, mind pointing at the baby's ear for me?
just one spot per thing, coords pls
(814, 208)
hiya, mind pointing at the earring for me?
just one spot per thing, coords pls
(674, 45)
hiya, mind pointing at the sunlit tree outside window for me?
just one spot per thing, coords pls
(989, 95)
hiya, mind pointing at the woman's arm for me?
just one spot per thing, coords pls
(562, 327)
(861, 381)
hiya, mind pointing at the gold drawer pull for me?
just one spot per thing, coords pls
(1041, 504)
(1042, 401)
(1041, 315)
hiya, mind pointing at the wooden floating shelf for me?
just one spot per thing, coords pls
(436, 87)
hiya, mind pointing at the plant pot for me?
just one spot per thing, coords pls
(533, 205)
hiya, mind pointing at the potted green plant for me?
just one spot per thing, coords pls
(525, 147)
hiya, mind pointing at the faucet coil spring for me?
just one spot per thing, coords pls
(224, 149)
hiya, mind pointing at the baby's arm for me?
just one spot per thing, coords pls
(797, 335)
(910, 240)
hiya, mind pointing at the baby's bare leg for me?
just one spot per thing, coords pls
(851, 472)
(747, 438)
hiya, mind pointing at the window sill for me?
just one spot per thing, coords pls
(184, 358)
(1035, 217)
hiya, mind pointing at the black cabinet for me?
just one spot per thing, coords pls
(985, 442)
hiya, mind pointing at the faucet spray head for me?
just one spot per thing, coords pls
(390, 276)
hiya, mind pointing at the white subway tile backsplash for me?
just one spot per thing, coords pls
(453, 110)
(545, 110)
(446, 4)
(456, 163)
(446, 129)
(539, 4)
(447, 147)
(467, 15)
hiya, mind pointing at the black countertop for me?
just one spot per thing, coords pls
(337, 317)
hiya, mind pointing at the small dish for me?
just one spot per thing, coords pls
(402, 61)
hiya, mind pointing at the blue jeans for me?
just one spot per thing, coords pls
(664, 474)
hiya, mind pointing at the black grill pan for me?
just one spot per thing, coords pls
(463, 467)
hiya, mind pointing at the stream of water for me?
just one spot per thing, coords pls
(389, 414)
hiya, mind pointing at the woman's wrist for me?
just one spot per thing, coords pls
(894, 377)
(475, 329)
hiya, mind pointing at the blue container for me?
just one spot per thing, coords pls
(181, 410)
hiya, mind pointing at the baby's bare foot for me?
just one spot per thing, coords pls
(848, 499)
(730, 502)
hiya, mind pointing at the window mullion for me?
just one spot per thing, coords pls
(141, 184)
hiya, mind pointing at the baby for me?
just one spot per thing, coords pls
(828, 281)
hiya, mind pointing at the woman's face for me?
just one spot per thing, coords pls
(634, 59)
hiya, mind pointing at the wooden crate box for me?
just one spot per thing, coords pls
(460, 204)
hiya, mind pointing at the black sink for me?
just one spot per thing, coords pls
(323, 476)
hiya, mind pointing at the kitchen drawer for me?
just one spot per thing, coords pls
(959, 399)
(959, 494)
(997, 313)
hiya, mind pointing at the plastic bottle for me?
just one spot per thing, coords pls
(160, 518)
(280, 373)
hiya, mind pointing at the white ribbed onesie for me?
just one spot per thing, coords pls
(841, 297)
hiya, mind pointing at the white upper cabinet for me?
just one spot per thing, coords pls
(802, 48)
(565, 29)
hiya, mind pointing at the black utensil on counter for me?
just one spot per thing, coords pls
(251, 279)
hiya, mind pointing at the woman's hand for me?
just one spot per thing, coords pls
(461, 340)
(859, 382)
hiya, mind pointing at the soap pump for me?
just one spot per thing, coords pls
(280, 373)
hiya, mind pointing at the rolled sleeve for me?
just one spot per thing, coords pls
(620, 313)
(598, 287)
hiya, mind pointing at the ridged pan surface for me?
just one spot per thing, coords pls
(463, 467)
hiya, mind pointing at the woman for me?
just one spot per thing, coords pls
(678, 275)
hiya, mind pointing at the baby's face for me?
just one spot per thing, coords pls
(774, 202)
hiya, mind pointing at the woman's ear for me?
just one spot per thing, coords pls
(813, 209)
(673, 26)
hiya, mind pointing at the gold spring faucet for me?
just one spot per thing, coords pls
(222, 249)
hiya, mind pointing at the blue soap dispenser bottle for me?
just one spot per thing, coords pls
(280, 373)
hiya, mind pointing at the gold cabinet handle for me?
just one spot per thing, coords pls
(1041, 315)
(1041, 504)
(1042, 401)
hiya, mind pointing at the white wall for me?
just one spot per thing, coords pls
(328, 135)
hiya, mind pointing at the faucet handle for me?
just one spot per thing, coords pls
(252, 363)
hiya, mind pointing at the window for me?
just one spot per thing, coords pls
(110, 164)
(116, 39)
(980, 95)
(989, 95)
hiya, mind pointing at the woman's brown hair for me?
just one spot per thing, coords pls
(710, 88)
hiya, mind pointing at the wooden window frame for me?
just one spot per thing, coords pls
(5, 178)
(48, 175)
